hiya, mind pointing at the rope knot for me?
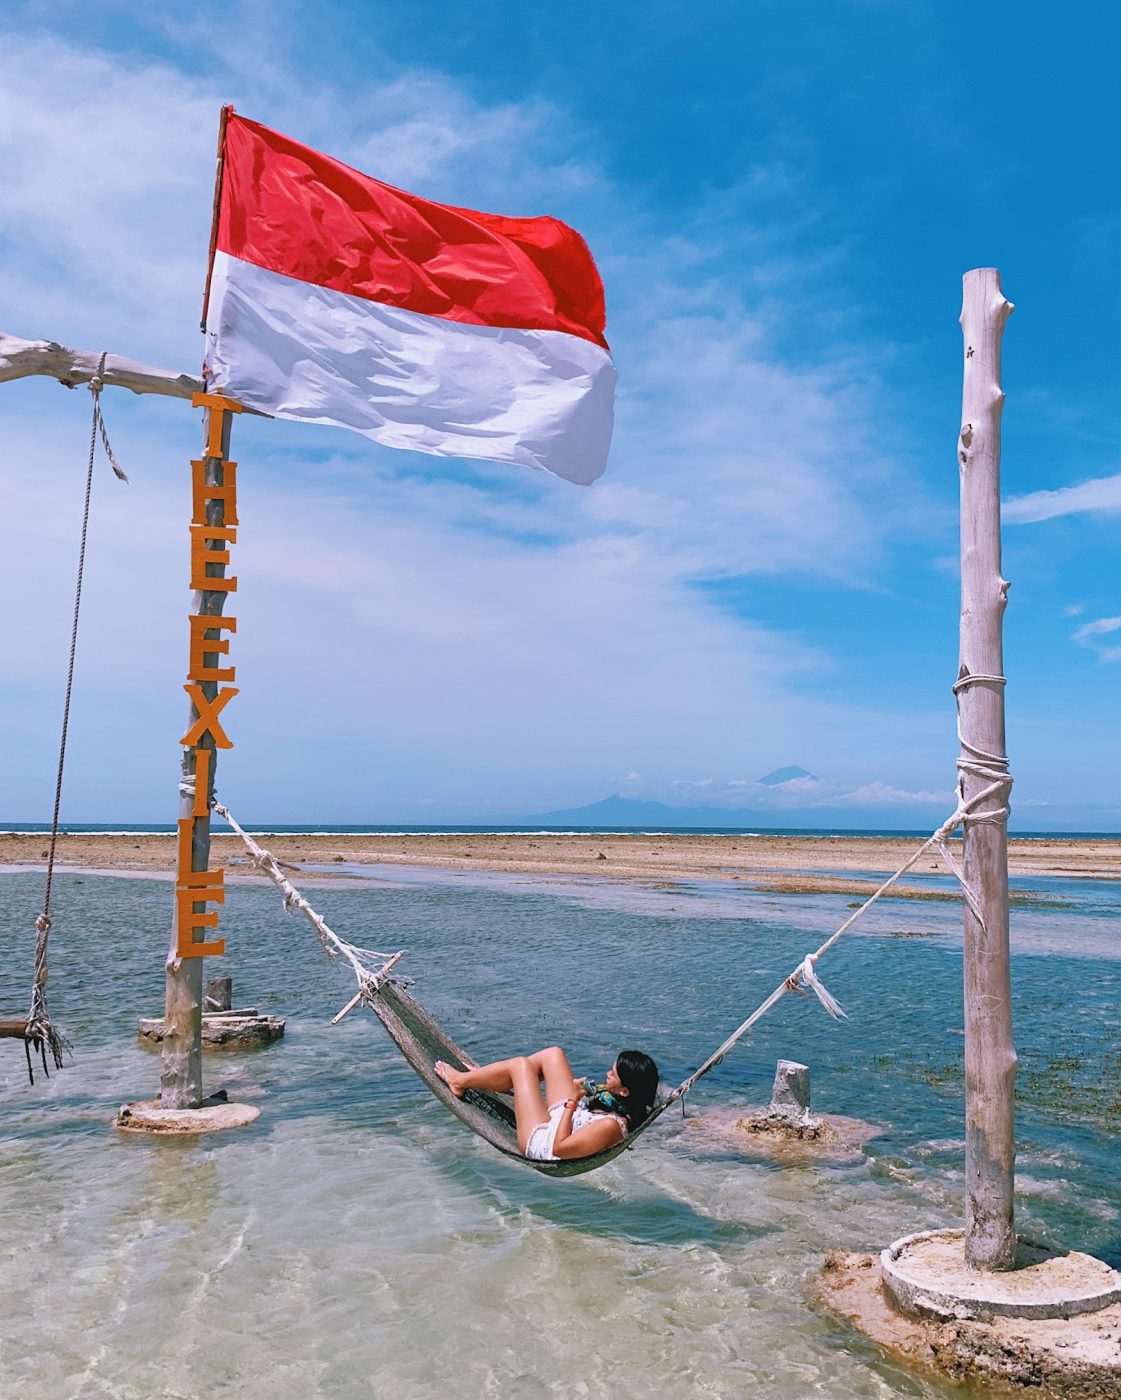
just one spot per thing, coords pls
(97, 379)
(809, 979)
(97, 383)
(42, 924)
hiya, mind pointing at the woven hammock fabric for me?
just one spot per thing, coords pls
(491, 1116)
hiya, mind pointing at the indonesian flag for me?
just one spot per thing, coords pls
(337, 299)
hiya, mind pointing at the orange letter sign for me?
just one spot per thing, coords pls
(202, 645)
(195, 889)
(201, 536)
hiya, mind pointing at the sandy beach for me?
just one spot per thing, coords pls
(792, 864)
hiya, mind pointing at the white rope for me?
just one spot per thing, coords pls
(805, 975)
(370, 979)
(986, 767)
(803, 979)
(989, 768)
(97, 383)
(970, 899)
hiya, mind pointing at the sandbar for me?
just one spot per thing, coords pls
(790, 864)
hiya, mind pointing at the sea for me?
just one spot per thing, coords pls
(357, 1241)
(506, 829)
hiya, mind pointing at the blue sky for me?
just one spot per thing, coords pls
(782, 200)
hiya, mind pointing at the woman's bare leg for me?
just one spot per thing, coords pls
(497, 1078)
(520, 1076)
(552, 1066)
(529, 1111)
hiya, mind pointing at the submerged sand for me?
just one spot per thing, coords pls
(791, 864)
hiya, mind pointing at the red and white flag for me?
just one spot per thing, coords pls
(337, 299)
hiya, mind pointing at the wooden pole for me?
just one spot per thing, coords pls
(990, 1057)
(181, 1070)
(219, 175)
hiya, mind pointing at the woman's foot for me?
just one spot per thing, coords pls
(452, 1077)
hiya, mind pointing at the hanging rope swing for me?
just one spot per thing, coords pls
(38, 1032)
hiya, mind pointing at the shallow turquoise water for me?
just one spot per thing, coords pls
(358, 1242)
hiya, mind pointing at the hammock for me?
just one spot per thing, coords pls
(491, 1116)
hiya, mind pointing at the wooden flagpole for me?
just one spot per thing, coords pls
(213, 529)
(990, 1057)
(216, 210)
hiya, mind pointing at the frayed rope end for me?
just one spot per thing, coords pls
(809, 978)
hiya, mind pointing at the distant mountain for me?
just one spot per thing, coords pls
(629, 811)
(785, 775)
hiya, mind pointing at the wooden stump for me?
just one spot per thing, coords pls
(791, 1092)
(219, 994)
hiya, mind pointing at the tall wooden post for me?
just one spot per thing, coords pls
(990, 1057)
(181, 1071)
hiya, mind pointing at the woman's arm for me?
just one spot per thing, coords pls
(593, 1137)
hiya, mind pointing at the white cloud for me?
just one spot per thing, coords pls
(746, 465)
(429, 132)
(1102, 495)
(1074, 610)
(366, 664)
(1089, 634)
(403, 620)
(103, 211)
(1095, 629)
(879, 794)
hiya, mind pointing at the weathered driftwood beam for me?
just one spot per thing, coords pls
(14, 1030)
(990, 1057)
(20, 359)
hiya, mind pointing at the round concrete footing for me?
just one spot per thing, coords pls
(926, 1275)
(216, 1114)
(1047, 1358)
(727, 1131)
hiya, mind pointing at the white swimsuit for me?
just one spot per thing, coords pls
(539, 1146)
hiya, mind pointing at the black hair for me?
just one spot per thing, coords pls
(638, 1074)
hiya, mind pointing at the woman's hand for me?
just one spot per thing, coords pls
(595, 1137)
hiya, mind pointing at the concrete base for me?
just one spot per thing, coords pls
(787, 1127)
(789, 1130)
(926, 1275)
(759, 1136)
(1077, 1358)
(829, 1136)
(216, 1114)
(222, 1030)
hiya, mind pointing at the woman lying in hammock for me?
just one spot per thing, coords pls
(579, 1119)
